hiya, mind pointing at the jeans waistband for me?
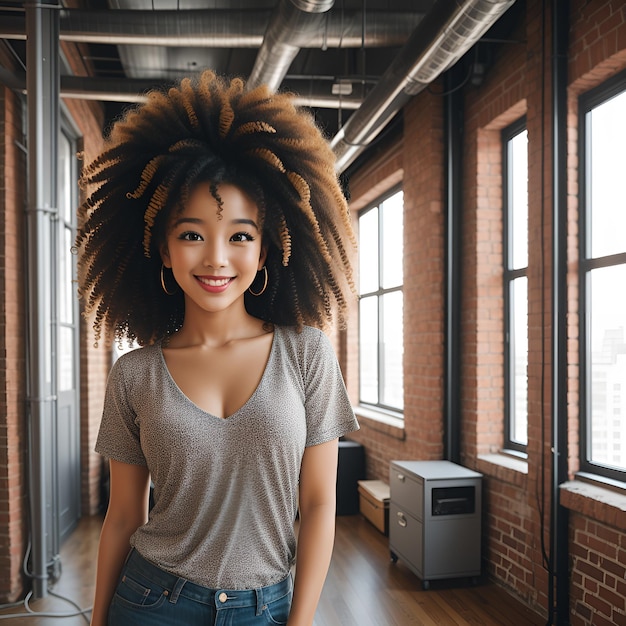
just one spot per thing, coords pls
(220, 598)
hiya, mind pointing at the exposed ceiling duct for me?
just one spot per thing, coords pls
(218, 28)
(292, 23)
(440, 39)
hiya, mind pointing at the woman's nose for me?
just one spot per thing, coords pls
(215, 255)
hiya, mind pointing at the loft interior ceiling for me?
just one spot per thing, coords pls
(331, 53)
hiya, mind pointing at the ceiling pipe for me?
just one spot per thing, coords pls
(218, 28)
(439, 41)
(292, 24)
(133, 90)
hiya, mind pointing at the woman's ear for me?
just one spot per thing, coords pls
(262, 256)
(165, 256)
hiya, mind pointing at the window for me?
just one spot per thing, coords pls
(68, 308)
(515, 220)
(381, 304)
(602, 280)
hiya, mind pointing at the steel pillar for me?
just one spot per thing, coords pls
(42, 80)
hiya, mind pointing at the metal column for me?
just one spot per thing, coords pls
(559, 525)
(454, 192)
(42, 79)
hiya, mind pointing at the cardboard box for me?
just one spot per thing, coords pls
(374, 503)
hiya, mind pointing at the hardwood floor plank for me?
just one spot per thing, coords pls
(482, 604)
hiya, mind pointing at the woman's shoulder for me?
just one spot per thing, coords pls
(306, 343)
(137, 359)
(307, 335)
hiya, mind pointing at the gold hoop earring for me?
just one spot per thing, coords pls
(258, 293)
(169, 293)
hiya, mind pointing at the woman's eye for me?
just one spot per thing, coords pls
(190, 236)
(242, 237)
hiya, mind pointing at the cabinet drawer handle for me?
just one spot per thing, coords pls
(401, 519)
(401, 477)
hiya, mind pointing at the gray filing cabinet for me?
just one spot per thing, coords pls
(435, 519)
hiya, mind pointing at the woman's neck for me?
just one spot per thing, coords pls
(216, 329)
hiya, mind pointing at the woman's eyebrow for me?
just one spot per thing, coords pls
(197, 220)
(245, 221)
(187, 220)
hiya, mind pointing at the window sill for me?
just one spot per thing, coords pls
(381, 422)
(507, 468)
(593, 498)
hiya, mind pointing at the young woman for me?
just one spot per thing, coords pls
(216, 236)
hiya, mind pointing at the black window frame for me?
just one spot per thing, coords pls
(508, 277)
(586, 103)
(378, 293)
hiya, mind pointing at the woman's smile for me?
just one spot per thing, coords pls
(215, 284)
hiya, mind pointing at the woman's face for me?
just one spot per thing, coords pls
(215, 255)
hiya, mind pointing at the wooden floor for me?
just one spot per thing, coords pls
(363, 588)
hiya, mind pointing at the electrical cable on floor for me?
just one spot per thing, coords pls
(31, 612)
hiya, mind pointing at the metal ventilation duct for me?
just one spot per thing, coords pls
(292, 24)
(218, 28)
(439, 41)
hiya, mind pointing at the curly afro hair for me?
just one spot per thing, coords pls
(212, 130)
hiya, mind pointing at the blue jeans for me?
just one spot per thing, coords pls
(148, 596)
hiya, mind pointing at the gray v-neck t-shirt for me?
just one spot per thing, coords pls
(225, 490)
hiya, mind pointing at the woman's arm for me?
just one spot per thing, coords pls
(318, 489)
(128, 509)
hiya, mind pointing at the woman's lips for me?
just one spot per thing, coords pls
(214, 284)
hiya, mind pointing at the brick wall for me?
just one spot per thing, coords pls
(511, 539)
(13, 506)
(598, 585)
(516, 492)
(417, 161)
(597, 556)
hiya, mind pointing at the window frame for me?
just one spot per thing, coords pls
(508, 277)
(586, 103)
(378, 293)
